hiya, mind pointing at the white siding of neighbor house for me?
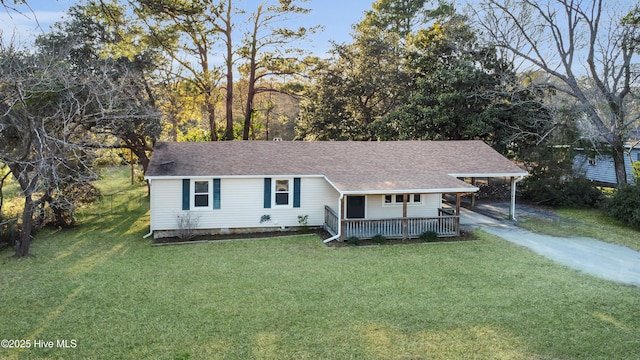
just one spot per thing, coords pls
(603, 170)
(241, 204)
(376, 209)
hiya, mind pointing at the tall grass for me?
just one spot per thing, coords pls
(119, 297)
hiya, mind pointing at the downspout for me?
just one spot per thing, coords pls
(512, 208)
(339, 221)
(149, 189)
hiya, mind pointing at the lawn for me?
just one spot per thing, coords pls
(591, 223)
(112, 295)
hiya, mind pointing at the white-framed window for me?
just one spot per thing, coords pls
(282, 192)
(397, 199)
(202, 194)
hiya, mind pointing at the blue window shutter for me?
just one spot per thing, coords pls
(296, 192)
(186, 193)
(216, 193)
(267, 193)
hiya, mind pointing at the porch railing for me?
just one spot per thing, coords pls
(397, 228)
(330, 221)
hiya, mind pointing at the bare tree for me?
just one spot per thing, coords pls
(90, 46)
(52, 115)
(585, 51)
(41, 106)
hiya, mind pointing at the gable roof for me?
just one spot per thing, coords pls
(371, 167)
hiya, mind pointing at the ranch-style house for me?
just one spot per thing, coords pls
(361, 189)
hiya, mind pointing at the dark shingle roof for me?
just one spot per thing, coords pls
(350, 166)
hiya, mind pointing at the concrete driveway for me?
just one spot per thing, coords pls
(595, 257)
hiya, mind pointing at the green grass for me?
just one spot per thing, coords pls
(586, 223)
(293, 298)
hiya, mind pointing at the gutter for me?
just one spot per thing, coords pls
(339, 221)
(149, 234)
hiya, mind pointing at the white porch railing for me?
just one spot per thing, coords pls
(398, 228)
(330, 221)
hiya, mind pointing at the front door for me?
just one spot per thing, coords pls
(355, 207)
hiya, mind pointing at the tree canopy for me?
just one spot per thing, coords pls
(586, 51)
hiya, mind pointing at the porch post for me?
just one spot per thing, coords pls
(458, 197)
(512, 205)
(473, 195)
(405, 222)
(343, 216)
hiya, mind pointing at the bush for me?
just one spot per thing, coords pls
(573, 192)
(353, 240)
(624, 205)
(379, 239)
(187, 224)
(9, 232)
(429, 236)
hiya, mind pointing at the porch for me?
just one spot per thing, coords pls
(446, 224)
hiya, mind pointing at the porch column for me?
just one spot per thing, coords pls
(458, 197)
(512, 205)
(473, 195)
(343, 216)
(405, 221)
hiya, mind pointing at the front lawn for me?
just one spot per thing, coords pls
(118, 297)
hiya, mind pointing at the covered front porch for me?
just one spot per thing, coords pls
(341, 224)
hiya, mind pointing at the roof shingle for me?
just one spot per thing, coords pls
(351, 166)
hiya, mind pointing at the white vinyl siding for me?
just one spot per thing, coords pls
(376, 209)
(166, 202)
(243, 204)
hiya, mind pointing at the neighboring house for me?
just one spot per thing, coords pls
(600, 168)
(350, 188)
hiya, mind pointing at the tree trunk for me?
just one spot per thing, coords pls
(229, 131)
(618, 162)
(229, 28)
(22, 248)
(251, 93)
(211, 110)
(248, 110)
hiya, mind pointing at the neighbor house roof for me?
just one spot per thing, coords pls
(378, 167)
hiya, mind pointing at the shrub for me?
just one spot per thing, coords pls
(429, 236)
(187, 224)
(353, 240)
(575, 192)
(635, 166)
(9, 232)
(303, 220)
(379, 239)
(624, 205)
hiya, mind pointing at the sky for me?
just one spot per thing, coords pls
(337, 17)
